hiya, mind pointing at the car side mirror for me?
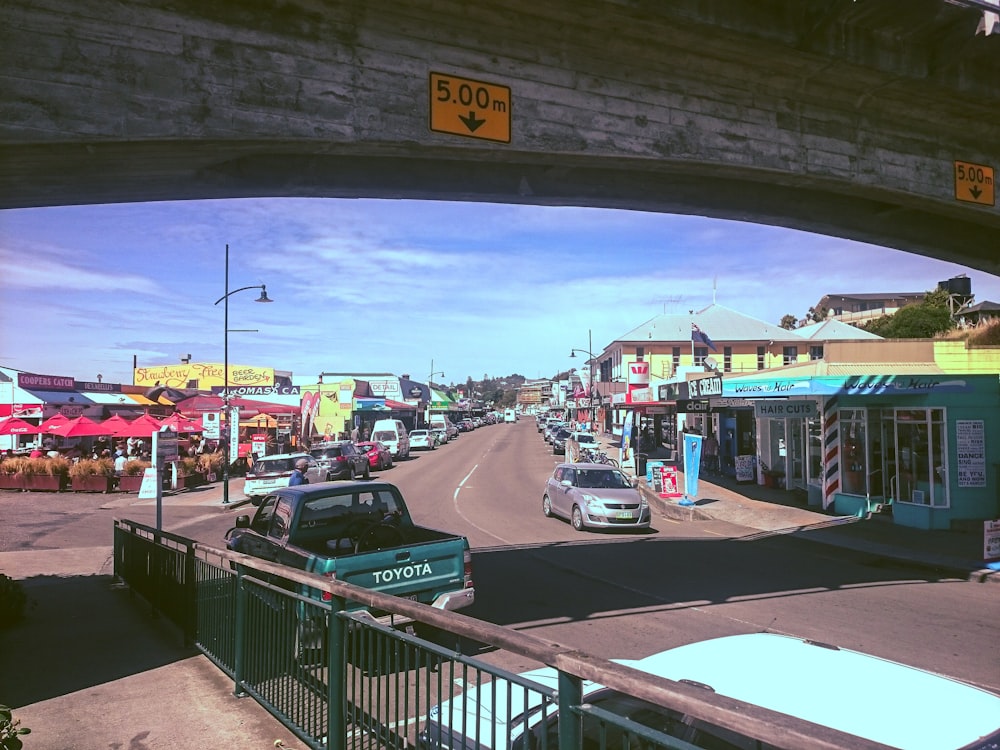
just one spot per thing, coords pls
(243, 522)
(566, 483)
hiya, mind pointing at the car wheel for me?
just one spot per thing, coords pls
(546, 507)
(352, 475)
(577, 519)
(368, 471)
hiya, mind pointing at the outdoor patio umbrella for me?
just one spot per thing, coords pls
(55, 419)
(180, 423)
(79, 427)
(17, 426)
(114, 425)
(141, 427)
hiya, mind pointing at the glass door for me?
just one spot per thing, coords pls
(796, 453)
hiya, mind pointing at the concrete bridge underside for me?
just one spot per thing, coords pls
(834, 116)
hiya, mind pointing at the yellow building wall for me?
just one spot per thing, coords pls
(955, 357)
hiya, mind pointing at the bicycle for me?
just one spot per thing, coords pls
(594, 456)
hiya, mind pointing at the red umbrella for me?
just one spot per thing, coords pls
(114, 425)
(16, 426)
(142, 427)
(79, 427)
(56, 419)
(180, 423)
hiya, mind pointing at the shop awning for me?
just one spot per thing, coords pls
(60, 397)
(398, 405)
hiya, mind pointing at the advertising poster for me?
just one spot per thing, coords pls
(745, 468)
(970, 440)
(668, 482)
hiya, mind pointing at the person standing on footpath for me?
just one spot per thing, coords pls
(710, 449)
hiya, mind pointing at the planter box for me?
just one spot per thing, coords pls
(191, 480)
(129, 484)
(44, 483)
(92, 484)
(11, 481)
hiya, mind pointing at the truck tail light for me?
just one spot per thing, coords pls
(468, 568)
(327, 596)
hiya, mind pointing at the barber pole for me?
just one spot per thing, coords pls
(831, 450)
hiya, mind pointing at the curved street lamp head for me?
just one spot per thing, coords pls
(572, 353)
(263, 295)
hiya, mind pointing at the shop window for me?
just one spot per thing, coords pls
(676, 357)
(921, 466)
(816, 352)
(761, 357)
(640, 353)
(790, 355)
(700, 352)
(727, 359)
(854, 447)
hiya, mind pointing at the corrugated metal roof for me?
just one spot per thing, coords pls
(719, 323)
(834, 330)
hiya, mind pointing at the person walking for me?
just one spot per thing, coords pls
(299, 473)
(710, 449)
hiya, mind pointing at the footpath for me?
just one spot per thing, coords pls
(90, 668)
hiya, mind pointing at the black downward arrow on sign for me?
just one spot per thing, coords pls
(471, 122)
(976, 192)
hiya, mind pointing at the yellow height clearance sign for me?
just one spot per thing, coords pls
(974, 183)
(474, 109)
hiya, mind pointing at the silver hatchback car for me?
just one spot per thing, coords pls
(595, 496)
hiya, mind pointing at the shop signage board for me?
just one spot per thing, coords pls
(781, 409)
(704, 387)
(470, 108)
(665, 481)
(745, 468)
(991, 540)
(210, 424)
(693, 406)
(970, 442)
(165, 447)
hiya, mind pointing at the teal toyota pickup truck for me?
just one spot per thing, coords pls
(360, 533)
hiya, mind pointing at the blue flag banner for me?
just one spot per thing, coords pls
(692, 463)
(700, 337)
(627, 433)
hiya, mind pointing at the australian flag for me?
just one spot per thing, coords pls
(700, 337)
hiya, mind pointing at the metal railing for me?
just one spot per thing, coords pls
(307, 649)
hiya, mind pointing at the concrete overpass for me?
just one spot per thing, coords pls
(875, 120)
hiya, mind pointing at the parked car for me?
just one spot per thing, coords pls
(466, 425)
(441, 422)
(422, 440)
(559, 438)
(595, 496)
(816, 682)
(342, 460)
(379, 456)
(551, 429)
(439, 435)
(270, 472)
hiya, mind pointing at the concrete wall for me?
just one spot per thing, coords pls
(832, 116)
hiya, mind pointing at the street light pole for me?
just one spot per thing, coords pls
(228, 458)
(429, 379)
(590, 386)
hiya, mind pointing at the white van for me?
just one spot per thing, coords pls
(510, 416)
(441, 422)
(392, 433)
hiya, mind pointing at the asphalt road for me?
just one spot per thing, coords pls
(611, 594)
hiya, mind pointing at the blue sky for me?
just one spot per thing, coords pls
(390, 286)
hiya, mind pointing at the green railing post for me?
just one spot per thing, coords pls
(336, 698)
(570, 721)
(239, 647)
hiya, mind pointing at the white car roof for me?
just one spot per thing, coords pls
(852, 692)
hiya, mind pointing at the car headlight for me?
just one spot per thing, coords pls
(592, 501)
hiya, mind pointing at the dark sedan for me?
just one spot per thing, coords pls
(342, 460)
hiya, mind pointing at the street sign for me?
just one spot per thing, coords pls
(475, 109)
(974, 183)
(165, 447)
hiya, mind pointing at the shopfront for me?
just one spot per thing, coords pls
(913, 445)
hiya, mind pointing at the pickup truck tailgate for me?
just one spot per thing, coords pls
(421, 571)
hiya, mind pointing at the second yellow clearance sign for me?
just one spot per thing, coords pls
(475, 109)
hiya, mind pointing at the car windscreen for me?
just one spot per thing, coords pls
(602, 478)
(272, 466)
(325, 452)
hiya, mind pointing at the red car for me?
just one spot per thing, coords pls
(379, 457)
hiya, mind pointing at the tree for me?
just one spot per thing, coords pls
(788, 322)
(920, 320)
(818, 314)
